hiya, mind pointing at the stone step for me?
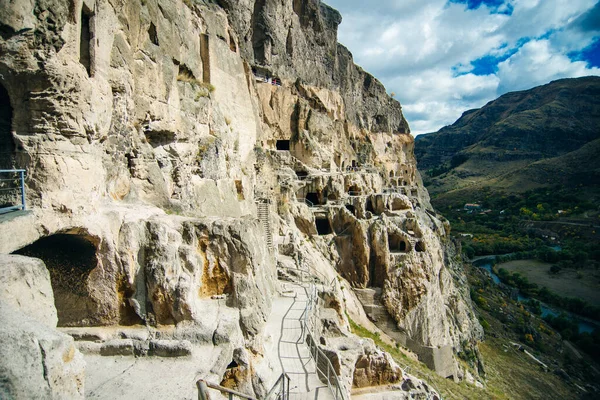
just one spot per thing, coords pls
(368, 295)
(133, 347)
(370, 298)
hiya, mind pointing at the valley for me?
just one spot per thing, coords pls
(520, 188)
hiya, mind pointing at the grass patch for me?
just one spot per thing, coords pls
(185, 75)
(445, 387)
(583, 283)
(510, 374)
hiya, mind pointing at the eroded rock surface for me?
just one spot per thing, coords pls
(36, 361)
(174, 149)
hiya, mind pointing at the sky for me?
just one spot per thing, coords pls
(443, 57)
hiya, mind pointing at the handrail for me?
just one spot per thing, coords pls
(6, 188)
(283, 382)
(202, 393)
(309, 325)
(306, 201)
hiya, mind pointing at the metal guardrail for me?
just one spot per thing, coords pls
(309, 327)
(308, 322)
(306, 201)
(279, 391)
(267, 79)
(12, 190)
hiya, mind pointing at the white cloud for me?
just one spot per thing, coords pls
(422, 50)
(537, 63)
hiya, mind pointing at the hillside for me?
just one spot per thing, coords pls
(521, 141)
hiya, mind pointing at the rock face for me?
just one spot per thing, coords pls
(36, 360)
(152, 133)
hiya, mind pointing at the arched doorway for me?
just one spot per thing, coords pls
(70, 258)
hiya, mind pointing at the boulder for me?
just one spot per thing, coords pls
(36, 361)
(25, 285)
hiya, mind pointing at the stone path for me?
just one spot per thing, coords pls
(122, 377)
(292, 351)
(109, 377)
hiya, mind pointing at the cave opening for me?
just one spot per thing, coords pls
(420, 246)
(283, 145)
(232, 44)
(70, 258)
(316, 200)
(351, 208)
(205, 57)
(397, 244)
(153, 34)
(354, 190)
(239, 187)
(377, 271)
(323, 226)
(369, 206)
(7, 145)
(85, 40)
(301, 175)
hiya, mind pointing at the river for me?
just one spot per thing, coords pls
(585, 325)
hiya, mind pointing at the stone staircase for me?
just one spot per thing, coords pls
(370, 298)
(263, 216)
(439, 359)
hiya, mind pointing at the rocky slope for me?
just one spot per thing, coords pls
(523, 140)
(168, 178)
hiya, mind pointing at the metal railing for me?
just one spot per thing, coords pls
(279, 391)
(12, 190)
(309, 329)
(308, 322)
(305, 201)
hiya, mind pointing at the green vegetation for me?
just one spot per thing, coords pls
(506, 321)
(574, 305)
(456, 161)
(502, 224)
(590, 343)
(510, 374)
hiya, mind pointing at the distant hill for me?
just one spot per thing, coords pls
(542, 137)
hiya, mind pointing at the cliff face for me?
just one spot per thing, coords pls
(297, 40)
(152, 135)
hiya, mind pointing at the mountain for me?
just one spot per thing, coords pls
(542, 137)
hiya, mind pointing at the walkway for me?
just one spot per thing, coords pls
(293, 353)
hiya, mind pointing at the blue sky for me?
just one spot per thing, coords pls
(443, 57)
